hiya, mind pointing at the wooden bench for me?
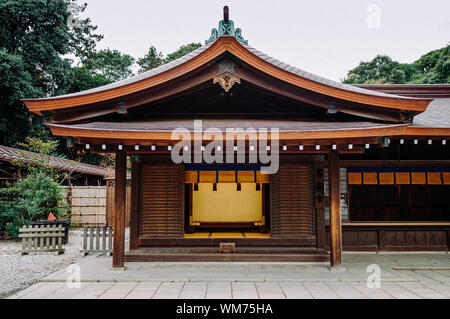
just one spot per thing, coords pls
(97, 240)
(37, 239)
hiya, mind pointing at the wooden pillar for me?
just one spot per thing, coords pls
(119, 213)
(335, 210)
(135, 199)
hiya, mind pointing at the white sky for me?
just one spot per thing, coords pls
(326, 38)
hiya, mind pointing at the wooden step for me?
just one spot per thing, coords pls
(206, 254)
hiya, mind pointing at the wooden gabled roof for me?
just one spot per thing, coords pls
(245, 53)
(127, 111)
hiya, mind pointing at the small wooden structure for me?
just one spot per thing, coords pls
(39, 239)
(97, 240)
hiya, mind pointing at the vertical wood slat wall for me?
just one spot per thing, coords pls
(161, 195)
(292, 201)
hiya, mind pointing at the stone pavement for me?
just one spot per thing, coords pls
(403, 276)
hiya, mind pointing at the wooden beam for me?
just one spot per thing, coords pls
(335, 210)
(135, 200)
(119, 214)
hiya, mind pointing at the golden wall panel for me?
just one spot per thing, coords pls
(227, 205)
(386, 178)
(370, 178)
(402, 178)
(355, 178)
(434, 178)
(418, 178)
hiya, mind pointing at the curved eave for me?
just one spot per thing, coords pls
(254, 58)
(124, 135)
(427, 131)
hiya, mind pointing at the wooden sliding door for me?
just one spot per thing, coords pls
(292, 201)
(161, 200)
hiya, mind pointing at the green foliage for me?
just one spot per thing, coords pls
(83, 79)
(36, 31)
(112, 64)
(153, 58)
(15, 83)
(433, 67)
(33, 38)
(182, 51)
(34, 144)
(36, 156)
(82, 37)
(29, 199)
(382, 69)
(36, 195)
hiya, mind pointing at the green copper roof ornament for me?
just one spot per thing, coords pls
(226, 28)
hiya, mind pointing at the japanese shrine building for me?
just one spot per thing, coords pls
(359, 167)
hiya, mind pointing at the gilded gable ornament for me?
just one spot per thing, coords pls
(226, 76)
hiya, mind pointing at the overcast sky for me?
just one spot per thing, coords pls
(326, 38)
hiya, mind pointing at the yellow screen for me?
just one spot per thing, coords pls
(227, 204)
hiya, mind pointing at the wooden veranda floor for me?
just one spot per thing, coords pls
(243, 253)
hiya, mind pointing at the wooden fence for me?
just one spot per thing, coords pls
(88, 205)
(97, 240)
(41, 239)
(94, 205)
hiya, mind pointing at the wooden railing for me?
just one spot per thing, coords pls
(97, 240)
(41, 239)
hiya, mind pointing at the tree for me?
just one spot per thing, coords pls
(84, 79)
(15, 83)
(112, 64)
(37, 194)
(82, 37)
(433, 67)
(382, 69)
(33, 38)
(182, 51)
(152, 59)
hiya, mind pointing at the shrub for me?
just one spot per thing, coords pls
(37, 194)
(29, 199)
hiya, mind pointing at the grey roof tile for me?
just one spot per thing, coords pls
(436, 115)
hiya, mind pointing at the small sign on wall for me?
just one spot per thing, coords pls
(227, 248)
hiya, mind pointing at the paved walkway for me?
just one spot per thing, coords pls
(407, 275)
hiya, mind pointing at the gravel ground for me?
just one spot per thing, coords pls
(18, 272)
